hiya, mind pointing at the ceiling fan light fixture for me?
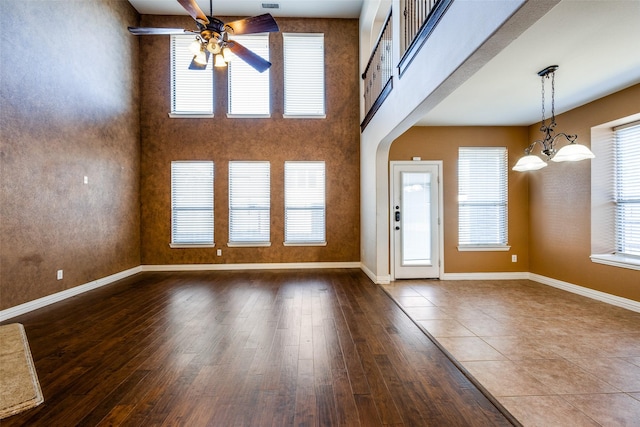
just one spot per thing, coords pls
(201, 58)
(213, 46)
(219, 61)
(195, 47)
(226, 54)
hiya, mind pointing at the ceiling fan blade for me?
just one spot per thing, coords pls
(146, 31)
(251, 58)
(256, 24)
(194, 10)
(196, 65)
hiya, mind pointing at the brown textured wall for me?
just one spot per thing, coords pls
(441, 143)
(335, 140)
(69, 88)
(560, 203)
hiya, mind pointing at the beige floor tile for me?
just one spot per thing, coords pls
(445, 328)
(489, 327)
(617, 409)
(635, 396)
(519, 348)
(505, 378)
(634, 360)
(618, 372)
(413, 301)
(425, 313)
(545, 411)
(563, 377)
(470, 348)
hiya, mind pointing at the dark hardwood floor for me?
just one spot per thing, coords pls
(253, 348)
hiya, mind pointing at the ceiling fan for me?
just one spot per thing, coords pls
(212, 36)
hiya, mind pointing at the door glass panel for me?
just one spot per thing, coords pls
(416, 221)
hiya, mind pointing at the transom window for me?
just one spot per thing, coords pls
(304, 88)
(248, 88)
(191, 90)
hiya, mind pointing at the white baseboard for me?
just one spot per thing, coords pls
(485, 276)
(256, 266)
(378, 280)
(586, 292)
(68, 293)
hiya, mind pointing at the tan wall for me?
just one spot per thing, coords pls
(69, 87)
(441, 143)
(335, 140)
(560, 203)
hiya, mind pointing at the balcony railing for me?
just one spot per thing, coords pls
(418, 19)
(379, 72)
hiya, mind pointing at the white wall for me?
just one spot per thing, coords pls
(469, 34)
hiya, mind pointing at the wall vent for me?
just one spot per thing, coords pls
(270, 6)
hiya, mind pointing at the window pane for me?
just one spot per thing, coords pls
(192, 202)
(303, 74)
(248, 88)
(627, 189)
(249, 202)
(191, 90)
(482, 196)
(304, 201)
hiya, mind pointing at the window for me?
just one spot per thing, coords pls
(615, 193)
(304, 203)
(482, 198)
(191, 90)
(191, 203)
(249, 203)
(627, 189)
(248, 88)
(304, 75)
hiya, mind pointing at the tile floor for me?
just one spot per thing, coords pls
(550, 357)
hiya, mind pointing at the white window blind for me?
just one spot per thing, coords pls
(304, 92)
(191, 203)
(304, 200)
(627, 189)
(249, 202)
(191, 90)
(482, 196)
(248, 88)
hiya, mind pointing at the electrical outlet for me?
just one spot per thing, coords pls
(59, 275)
(219, 252)
(514, 258)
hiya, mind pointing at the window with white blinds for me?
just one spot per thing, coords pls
(191, 90)
(482, 197)
(304, 201)
(304, 89)
(249, 203)
(191, 203)
(627, 189)
(248, 88)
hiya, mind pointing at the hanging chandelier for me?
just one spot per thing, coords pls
(572, 152)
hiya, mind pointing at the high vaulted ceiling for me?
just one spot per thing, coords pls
(594, 42)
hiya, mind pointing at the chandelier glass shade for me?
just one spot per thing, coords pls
(572, 152)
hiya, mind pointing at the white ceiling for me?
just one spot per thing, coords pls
(288, 8)
(596, 43)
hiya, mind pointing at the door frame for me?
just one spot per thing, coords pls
(440, 222)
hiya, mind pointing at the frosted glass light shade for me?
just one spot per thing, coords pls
(201, 58)
(220, 62)
(529, 163)
(573, 153)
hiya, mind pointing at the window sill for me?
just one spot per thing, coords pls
(248, 244)
(483, 248)
(617, 261)
(305, 244)
(248, 116)
(189, 246)
(190, 116)
(304, 116)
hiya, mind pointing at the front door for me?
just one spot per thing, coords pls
(415, 220)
